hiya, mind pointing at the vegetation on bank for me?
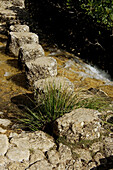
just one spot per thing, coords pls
(54, 103)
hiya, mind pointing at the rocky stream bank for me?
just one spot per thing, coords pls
(82, 141)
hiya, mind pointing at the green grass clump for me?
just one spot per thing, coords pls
(55, 102)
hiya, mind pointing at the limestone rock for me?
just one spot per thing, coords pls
(58, 82)
(19, 28)
(7, 14)
(18, 3)
(40, 68)
(84, 155)
(41, 165)
(108, 146)
(40, 140)
(36, 155)
(80, 122)
(18, 166)
(53, 157)
(2, 130)
(18, 39)
(3, 144)
(65, 153)
(18, 154)
(29, 52)
(5, 122)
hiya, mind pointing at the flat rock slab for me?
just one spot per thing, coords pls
(3, 144)
(18, 154)
(5, 122)
(29, 52)
(18, 39)
(19, 28)
(40, 68)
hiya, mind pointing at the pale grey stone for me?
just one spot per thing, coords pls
(20, 142)
(5, 122)
(83, 122)
(53, 157)
(18, 39)
(3, 161)
(3, 144)
(78, 164)
(57, 82)
(40, 68)
(96, 147)
(18, 154)
(19, 28)
(7, 14)
(18, 165)
(2, 130)
(29, 52)
(40, 140)
(18, 3)
(84, 155)
(108, 146)
(65, 153)
(99, 157)
(41, 165)
(36, 155)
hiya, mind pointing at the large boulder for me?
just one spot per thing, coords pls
(19, 28)
(18, 39)
(29, 52)
(79, 124)
(40, 68)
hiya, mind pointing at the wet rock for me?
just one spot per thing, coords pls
(29, 52)
(3, 144)
(18, 39)
(36, 155)
(5, 122)
(40, 68)
(19, 28)
(79, 124)
(41, 165)
(18, 154)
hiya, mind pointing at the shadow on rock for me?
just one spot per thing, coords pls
(105, 164)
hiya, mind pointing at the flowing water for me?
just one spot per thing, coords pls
(13, 83)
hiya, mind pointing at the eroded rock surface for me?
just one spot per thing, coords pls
(40, 68)
(17, 39)
(19, 28)
(30, 52)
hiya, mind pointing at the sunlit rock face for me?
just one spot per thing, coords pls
(40, 68)
(17, 39)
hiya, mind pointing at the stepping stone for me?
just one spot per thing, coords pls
(30, 52)
(5, 122)
(40, 86)
(7, 14)
(40, 68)
(19, 28)
(18, 39)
